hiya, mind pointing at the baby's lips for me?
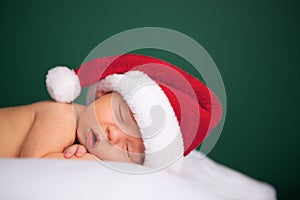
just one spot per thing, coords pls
(91, 141)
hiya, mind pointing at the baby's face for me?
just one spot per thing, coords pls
(108, 130)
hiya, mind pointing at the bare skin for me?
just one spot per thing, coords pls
(38, 130)
(48, 130)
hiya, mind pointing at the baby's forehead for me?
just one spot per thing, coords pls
(115, 97)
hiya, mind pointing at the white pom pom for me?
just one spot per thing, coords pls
(63, 84)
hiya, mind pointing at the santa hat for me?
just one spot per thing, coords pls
(174, 110)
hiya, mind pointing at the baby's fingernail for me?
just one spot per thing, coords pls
(67, 154)
(78, 153)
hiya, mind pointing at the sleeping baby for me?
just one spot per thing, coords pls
(142, 110)
(48, 130)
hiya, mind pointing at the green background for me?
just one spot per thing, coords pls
(255, 45)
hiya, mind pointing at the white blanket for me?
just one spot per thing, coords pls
(70, 179)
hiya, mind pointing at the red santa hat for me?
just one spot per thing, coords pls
(174, 110)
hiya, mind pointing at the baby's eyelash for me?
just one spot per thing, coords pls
(127, 150)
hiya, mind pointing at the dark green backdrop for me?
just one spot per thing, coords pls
(255, 44)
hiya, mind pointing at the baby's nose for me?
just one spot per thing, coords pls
(115, 135)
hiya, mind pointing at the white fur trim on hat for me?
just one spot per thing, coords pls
(154, 115)
(63, 84)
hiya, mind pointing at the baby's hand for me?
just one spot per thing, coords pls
(76, 149)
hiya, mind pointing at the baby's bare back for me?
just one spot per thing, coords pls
(15, 123)
(36, 130)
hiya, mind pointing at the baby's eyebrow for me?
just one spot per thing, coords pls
(120, 113)
(131, 115)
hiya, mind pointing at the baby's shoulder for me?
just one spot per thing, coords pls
(56, 111)
(53, 128)
(51, 106)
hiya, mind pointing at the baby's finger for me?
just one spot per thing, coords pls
(80, 151)
(70, 151)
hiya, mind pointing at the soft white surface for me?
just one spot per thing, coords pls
(69, 179)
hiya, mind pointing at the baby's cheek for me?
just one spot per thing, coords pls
(112, 153)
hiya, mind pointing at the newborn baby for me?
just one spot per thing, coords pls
(48, 130)
(144, 110)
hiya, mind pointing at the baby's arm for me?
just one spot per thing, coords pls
(85, 156)
(75, 152)
(53, 129)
